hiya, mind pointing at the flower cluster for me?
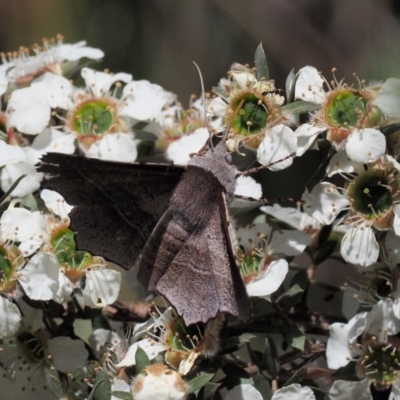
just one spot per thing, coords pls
(64, 316)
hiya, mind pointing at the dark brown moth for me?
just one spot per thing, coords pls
(171, 220)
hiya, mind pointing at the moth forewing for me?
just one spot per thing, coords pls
(116, 205)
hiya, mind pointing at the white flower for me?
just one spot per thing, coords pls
(244, 391)
(114, 147)
(159, 383)
(55, 203)
(294, 392)
(246, 186)
(258, 111)
(349, 115)
(10, 317)
(293, 217)
(53, 56)
(102, 287)
(17, 162)
(366, 338)
(343, 390)
(369, 200)
(29, 109)
(145, 100)
(180, 150)
(258, 250)
(277, 147)
(388, 98)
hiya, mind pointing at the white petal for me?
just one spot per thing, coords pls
(324, 203)
(388, 98)
(306, 135)
(179, 151)
(10, 154)
(289, 243)
(55, 89)
(151, 348)
(114, 147)
(39, 277)
(309, 85)
(28, 110)
(144, 100)
(55, 203)
(279, 143)
(17, 224)
(53, 140)
(345, 390)
(243, 391)
(340, 163)
(269, 280)
(246, 186)
(359, 246)
(365, 145)
(243, 79)
(100, 83)
(27, 185)
(294, 392)
(392, 245)
(65, 287)
(381, 320)
(67, 354)
(396, 221)
(337, 349)
(76, 51)
(292, 216)
(10, 317)
(102, 287)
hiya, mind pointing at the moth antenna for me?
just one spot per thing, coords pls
(203, 97)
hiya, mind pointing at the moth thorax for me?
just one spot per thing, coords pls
(223, 172)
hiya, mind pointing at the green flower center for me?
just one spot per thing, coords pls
(65, 249)
(381, 363)
(371, 195)
(5, 266)
(250, 265)
(93, 117)
(252, 117)
(181, 337)
(346, 109)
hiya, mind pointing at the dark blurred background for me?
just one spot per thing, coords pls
(158, 40)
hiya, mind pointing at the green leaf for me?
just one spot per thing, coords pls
(141, 359)
(261, 63)
(102, 387)
(296, 338)
(29, 202)
(290, 85)
(291, 297)
(235, 343)
(270, 357)
(301, 107)
(261, 383)
(198, 382)
(122, 395)
(53, 382)
(207, 392)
